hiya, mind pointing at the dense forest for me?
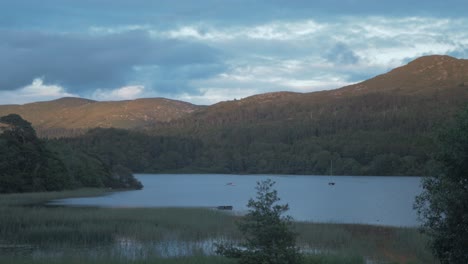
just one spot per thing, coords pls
(382, 126)
(28, 163)
(293, 149)
(372, 134)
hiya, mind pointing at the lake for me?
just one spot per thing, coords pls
(352, 199)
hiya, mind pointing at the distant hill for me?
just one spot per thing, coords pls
(382, 126)
(434, 85)
(63, 116)
(431, 83)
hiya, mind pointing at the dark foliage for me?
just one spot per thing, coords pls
(267, 234)
(26, 164)
(264, 148)
(443, 206)
(137, 151)
(29, 164)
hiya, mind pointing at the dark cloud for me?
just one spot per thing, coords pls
(170, 81)
(358, 76)
(459, 53)
(85, 62)
(72, 14)
(74, 43)
(341, 54)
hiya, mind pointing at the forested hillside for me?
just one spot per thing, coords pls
(29, 164)
(382, 126)
(277, 152)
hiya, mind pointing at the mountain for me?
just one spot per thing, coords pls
(65, 115)
(420, 76)
(434, 85)
(382, 126)
(430, 86)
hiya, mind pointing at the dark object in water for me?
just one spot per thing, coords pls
(331, 183)
(224, 207)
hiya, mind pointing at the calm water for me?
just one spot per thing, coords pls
(353, 199)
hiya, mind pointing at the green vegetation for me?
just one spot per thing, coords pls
(25, 162)
(29, 164)
(382, 126)
(137, 151)
(374, 133)
(73, 259)
(267, 235)
(32, 233)
(444, 203)
(261, 149)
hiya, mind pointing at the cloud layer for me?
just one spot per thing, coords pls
(207, 51)
(85, 62)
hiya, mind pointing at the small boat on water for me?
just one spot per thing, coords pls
(331, 173)
(224, 207)
(230, 184)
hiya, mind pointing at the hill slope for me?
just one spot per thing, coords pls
(79, 114)
(431, 83)
(382, 126)
(434, 83)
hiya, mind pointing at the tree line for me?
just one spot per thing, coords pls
(294, 148)
(29, 164)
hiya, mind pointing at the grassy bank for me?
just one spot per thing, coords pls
(33, 233)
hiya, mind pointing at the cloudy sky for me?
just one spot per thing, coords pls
(206, 51)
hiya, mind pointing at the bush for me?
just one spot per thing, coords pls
(267, 234)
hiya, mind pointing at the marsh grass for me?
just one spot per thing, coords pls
(39, 198)
(377, 243)
(73, 259)
(33, 233)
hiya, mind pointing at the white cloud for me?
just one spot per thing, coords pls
(122, 93)
(292, 55)
(212, 95)
(249, 80)
(116, 30)
(374, 38)
(277, 30)
(36, 91)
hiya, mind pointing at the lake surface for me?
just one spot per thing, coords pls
(353, 199)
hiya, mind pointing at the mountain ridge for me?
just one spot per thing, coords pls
(80, 113)
(434, 72)
(439, 79)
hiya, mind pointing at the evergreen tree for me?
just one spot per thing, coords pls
(267, 234)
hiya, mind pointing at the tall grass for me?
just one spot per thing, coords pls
(73, 259)
(39, 198)
(377, 243)
(33, 233)
(97, 226)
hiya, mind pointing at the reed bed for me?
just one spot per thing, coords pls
(33, 233)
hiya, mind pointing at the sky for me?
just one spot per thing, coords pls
(207, 51)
